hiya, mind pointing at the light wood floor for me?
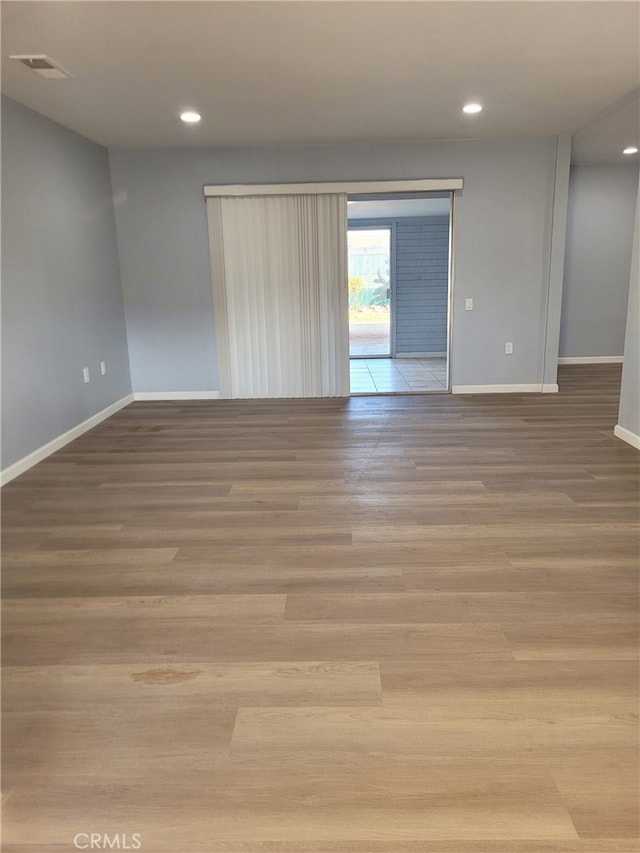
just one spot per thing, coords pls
(389, 624)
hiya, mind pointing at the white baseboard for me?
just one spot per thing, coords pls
(550, 388)
(500, 389)
(593, 359)
(41, 453)
(628, 436)
(176, 395)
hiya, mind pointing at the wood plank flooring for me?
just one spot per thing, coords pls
(381, 625)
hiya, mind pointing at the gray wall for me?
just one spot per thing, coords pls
(629, 414)
(597, 260)
(62, 305)
(503, 237)
(422, 284)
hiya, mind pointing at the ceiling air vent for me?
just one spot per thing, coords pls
(43, 66)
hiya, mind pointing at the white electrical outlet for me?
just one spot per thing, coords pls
(508, 348)
(85, 374)
(468, 304)
(103, 368)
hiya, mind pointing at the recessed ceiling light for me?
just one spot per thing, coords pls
(472, 108)
(630, 150)
(190, 117)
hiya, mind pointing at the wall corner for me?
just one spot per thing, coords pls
(559, 208)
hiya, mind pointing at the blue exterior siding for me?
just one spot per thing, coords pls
(421, 284)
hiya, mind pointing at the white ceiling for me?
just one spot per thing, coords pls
(271, 72)
(601, 140)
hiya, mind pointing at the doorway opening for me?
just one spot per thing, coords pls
(399, 249)
(369, 253)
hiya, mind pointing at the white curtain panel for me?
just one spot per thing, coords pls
(279, 271)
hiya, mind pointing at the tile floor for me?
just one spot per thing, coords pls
(398, 375)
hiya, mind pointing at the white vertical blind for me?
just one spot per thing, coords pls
(279, 272)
